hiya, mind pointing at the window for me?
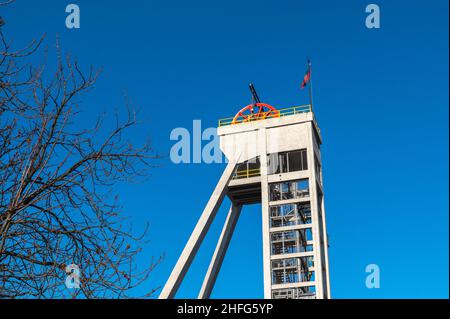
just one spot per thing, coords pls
(284, 162)
(290, 215)
(289, 242)
(291, 270)
(289, 190)
(302, 188)
(273, 168)
(308, 292)
(304, 160)
(287, 162)
(295, 161)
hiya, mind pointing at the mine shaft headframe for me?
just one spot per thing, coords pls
(255, 111)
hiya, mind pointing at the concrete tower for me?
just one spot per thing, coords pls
(273, 159)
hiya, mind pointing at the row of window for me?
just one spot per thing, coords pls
(287, 162)
(292, 270)
(284, 162)
(290, 214)
(290, 242)
(289, 190)
(308, 292)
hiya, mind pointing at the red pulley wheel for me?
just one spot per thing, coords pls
(254, 112)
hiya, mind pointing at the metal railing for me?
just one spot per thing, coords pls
(267, 115)
(246, 173)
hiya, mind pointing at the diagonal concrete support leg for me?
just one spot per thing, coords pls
(219, 253)
(197, 236)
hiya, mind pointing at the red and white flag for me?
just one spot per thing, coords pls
(307, 76)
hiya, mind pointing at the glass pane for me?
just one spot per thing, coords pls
(302, 188)
(295, 161)
(274, 167)
(283, 163)
(275, 193)
(287, 191)
(308, 234)
(304, 213)
(304, 160)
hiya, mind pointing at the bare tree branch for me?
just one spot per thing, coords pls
(56, 206)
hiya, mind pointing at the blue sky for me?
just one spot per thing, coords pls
(381, 100)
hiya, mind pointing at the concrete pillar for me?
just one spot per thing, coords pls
(197, 236)
(267, 273)
(315, 216)
(219, 253)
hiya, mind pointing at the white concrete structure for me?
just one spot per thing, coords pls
(276, 162)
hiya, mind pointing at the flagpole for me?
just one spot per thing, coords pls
(310, 86)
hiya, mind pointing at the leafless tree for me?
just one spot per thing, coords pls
(56, 202)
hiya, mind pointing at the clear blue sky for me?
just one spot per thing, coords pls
(381, 99)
